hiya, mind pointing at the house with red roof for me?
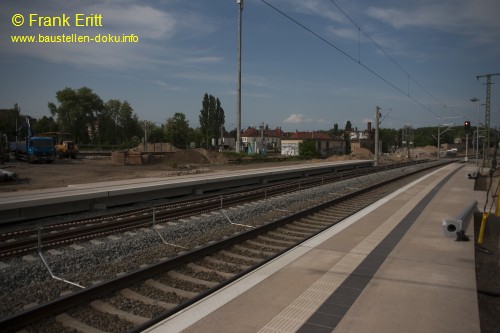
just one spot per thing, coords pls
(325, 145)
(262, 140)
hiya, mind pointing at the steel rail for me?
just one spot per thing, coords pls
(31, 315)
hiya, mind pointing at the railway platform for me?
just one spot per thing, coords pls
(35, 204)
(392, 267)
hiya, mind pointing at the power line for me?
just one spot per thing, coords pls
(390, 58)
(358, 61)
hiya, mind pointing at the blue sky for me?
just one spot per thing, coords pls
(418, 60)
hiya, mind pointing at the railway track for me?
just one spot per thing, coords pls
(141, 298)
(22, 241)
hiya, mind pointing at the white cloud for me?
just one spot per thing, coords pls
(477, 20)
(157, 29)
(144, 21)
(432, 15)
(320, 8)
(169, 87)
(347, 33)
(300, 119)
(294, 119)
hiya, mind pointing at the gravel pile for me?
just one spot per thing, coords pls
(26, 281)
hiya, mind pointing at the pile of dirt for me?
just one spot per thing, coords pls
(335, 158)
(424, 152)
(359, 154)
(179, 157)
(155, 147)
(362, 154)
(213, 156)
(196, 156)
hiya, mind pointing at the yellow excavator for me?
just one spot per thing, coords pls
(65, 148)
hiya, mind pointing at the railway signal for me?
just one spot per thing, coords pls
(467, 126)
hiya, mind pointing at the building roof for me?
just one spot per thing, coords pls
(255, 133)
(274, 133)
(251, 133)
(309, 135)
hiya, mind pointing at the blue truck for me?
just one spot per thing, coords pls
(33, 148)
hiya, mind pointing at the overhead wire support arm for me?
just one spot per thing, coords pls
(487, 111)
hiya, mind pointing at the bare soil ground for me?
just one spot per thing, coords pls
(65, 172)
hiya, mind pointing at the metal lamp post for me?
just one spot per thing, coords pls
(238, 102)
(474, 100)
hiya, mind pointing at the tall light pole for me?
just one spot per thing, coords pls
(487, 115)
(238, 99)
(474, 100)
(377, 115)
(467, 128)
(439, 141)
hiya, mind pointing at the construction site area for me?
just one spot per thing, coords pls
(152, 161)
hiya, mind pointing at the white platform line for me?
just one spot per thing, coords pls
(204, 307)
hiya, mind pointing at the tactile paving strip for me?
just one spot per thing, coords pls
(348, 277)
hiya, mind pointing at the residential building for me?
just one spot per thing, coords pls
(324, 144)
(261, 141)
(362, 139)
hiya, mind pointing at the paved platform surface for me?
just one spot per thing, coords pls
(388, 268)
(28, 205)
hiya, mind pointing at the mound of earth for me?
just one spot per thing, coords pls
(196, 156)
(180, 156)
(362, 154)
(337, 158)
(156, 147)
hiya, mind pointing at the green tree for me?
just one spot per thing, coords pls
(347, 141)
(8, 120)
(128, 122)
(307, 149)
(158, 134)
(334, 132)
(177, 130)
(118, 123)
(389, 138)
(199, 137)
(147, 128)
(46, 124)
(77, 112)
(211, 117)
(348, 126)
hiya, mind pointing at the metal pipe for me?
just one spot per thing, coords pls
(47, 265)
(161, 237)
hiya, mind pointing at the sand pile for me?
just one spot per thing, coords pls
(155, 147)
(362, 154)
(195, 156)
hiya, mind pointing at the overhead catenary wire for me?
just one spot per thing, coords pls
(358, 61)
(410, 77)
